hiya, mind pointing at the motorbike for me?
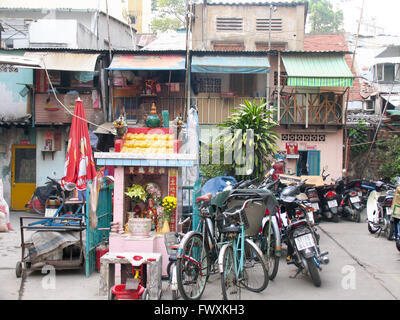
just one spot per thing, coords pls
(328, 199)
(301, 234)
(46, 199)
(350, 204)
(379, 210)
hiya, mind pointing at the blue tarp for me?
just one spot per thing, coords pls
(230, 64)
(217, 184)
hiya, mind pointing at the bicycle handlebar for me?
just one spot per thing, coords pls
(237, 211)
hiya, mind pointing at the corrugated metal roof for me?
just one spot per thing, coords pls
(192, 53)
(255, 3)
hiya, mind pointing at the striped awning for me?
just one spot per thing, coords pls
(317, 71)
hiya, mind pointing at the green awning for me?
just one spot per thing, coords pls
(317, 71)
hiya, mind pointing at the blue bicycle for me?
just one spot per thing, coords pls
(241, 262)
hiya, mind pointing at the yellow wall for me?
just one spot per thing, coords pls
(141, 9)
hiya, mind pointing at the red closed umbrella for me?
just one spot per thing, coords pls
(79, 165)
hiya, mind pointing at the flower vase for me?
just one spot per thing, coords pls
(165, 227)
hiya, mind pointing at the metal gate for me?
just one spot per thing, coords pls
(104, 217)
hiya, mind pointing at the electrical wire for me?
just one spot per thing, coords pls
(66, 108)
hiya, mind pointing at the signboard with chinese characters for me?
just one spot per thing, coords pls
(146, 170)
(173, 192)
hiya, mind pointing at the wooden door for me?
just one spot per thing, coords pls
(23, 175)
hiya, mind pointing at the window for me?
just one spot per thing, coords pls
(243, 84)
(379, 72)
(225, 46)
(264, 24)
(387, 72)
(210, 85)
(229, 24)
(132, 19)
(283, 78)
(263, 46)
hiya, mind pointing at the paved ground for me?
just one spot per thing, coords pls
(362, 267)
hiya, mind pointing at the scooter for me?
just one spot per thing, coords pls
(328, 199)
(350, 204)
(379, 211)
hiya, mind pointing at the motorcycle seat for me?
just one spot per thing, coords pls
(205, 197)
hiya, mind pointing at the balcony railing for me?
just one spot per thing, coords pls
(312, 109)
(300, 108)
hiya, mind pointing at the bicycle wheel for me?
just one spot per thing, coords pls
(271, 259)
(255, 274)
(229, 282)
(192, 268)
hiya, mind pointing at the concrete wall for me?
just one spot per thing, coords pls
(293, 18)
(53, 168)
(331, 150)
(47, 31)
(91, 22)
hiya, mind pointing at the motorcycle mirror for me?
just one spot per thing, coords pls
(69, 186)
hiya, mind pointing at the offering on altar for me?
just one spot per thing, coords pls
(148, 143)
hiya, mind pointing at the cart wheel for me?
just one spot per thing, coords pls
(18, 269)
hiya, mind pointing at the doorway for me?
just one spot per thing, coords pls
(23, 175)
(308, 163)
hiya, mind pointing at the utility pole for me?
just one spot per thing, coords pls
(188, 30)
(347, 141)
(271, 8)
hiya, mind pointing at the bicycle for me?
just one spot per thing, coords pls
(196, 254)
(172, 240)
(241, 262)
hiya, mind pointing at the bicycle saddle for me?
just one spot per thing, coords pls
(205, 197)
